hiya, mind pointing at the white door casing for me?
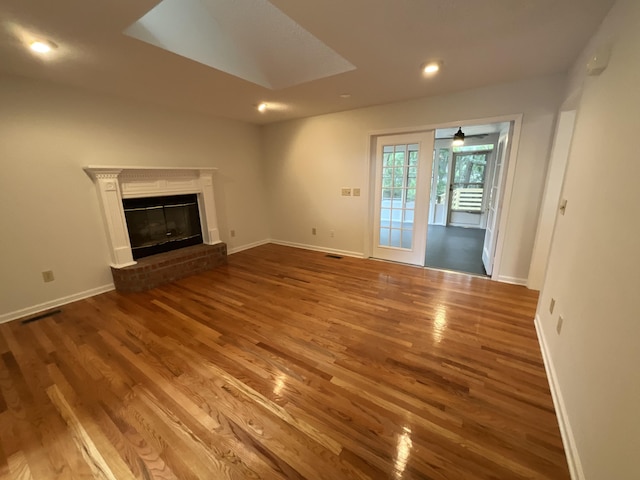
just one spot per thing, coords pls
(402, 189)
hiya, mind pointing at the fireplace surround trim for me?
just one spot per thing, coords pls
(113, 183)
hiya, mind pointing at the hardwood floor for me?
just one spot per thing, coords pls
(283, 364)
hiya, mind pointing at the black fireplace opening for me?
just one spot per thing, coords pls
(162, 224)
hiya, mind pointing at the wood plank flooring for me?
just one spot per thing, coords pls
(284, 364)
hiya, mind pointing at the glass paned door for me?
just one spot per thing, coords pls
(403, 164)
(399, 181)
(495, 194)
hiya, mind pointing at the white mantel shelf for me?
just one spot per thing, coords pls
(99, 168)
(114, 183)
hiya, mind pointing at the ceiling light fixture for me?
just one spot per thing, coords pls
(345, 95)
(458, 138)
(42, 47)
(262, 107)
(431, 68)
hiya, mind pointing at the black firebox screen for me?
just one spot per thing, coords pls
(161, 224)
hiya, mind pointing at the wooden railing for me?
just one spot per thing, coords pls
(467, 199)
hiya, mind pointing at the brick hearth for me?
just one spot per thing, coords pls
(156, 270)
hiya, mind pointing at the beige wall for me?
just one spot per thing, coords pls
(309, 160)
(593, 272)
(551, 198)
(48, 205)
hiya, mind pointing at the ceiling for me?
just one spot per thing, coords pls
(479, 43)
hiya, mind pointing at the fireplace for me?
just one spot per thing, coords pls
(117, 185)
(147, 210)
(161, 224)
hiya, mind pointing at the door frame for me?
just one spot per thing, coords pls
(452, 169)
(509, 175)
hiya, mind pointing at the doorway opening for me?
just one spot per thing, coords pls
(466, 193)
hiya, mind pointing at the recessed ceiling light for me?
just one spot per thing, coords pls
(345, 95)
(262, 107)
(42, 47)
(431, 68)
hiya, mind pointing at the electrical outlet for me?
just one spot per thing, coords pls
(552, 305)
(356, 192)
(559, 324)
(232, 233)
(346, 192)
(332, 233)
(313, 231)
(48, 276)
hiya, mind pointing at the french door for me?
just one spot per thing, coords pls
(495, 194)
(403, 173)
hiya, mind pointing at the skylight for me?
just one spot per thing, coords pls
(250, 39)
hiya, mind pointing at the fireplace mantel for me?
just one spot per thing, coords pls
(115, 183)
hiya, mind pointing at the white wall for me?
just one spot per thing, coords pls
(309, 160)
(551, 198)
(594, 264)
(48, 206)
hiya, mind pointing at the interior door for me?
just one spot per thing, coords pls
(403, 172)
(491, 234)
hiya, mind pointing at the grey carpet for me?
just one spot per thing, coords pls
(455, 248)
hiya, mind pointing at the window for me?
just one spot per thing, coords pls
(473, 148)
(442, 170)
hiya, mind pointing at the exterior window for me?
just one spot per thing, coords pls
(443, 174)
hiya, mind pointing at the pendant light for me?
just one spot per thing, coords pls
(458, 138)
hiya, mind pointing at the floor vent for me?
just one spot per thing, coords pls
(333, 256)
(41, 316)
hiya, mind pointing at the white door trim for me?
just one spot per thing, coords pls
(510, 165)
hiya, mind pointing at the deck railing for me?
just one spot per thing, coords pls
(467, 199)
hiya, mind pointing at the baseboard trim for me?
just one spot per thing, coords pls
(7, 317)
(512, 280)
(248, 246)
(568, 440)
(315, 248)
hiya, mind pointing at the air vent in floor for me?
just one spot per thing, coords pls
(41, 316)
